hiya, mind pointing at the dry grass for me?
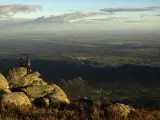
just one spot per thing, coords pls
(76, 113)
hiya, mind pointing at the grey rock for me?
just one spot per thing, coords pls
(58, 96)
(52, 92)
(120, 110)
(16, 100)
(38, 91)
(18, 77)
(3, 82)
(16, 73)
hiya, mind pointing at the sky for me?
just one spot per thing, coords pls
(114, 14)
(50, 7)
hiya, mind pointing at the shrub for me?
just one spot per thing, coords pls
(76, 88)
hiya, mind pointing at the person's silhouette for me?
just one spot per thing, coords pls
(28, 64)
(21, 62)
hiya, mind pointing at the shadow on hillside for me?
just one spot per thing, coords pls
(55, 70)
(101, 77)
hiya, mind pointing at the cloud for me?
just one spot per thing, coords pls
(10, 10)
(151, 8)
(74, 20)
(157, 14)
(69, 17)
(111, 19)
(144, 16)
(137, 21)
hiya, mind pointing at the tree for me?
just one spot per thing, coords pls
(76, 88)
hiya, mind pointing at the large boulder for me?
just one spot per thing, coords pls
(3, 82)
(16, 100)
(4, 87)
(34, 87)
(26, 80)
(18, 78)
(57, 97)
(119, 110)
(51, 93)
(38, 91)
(16, 73)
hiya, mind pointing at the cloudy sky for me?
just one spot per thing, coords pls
(110, 14)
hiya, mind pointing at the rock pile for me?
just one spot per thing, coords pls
(21, 89)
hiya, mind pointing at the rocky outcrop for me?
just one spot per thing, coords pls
(57, 96)
(29, 87)
(38, 91)
(16, 100)
(3, 82)
(120, 110)
(18, 77)
(4, 87)
(26, 80)
(51, 93)
(14, 74)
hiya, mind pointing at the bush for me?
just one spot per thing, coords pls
(76, 88)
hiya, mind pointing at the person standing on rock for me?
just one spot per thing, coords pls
(28, 65)
(21, 62)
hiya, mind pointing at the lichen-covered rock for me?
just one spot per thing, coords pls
(16, 73)
(36, 83)
(41, 82)
(58, 96)
(16, 99)
(119, 110)
(52, 92)
(3, 82)
(18, 77)
(26, 80)
(38, 91)
(34, 87)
